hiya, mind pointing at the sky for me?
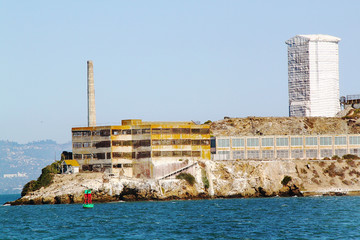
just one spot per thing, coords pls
(156, 60)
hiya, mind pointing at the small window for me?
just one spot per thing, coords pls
(77, 145)
(325, 141)
(252, 142)
(223, 143)
(296, 141)
(354, 140)
(267, 142)
(238, 142)
(105, 132)
(204, 131)
(196, 154)
(126, 132)
(282, 142)
(156, 131)
(146, 131)
(311, 141)
(165, 131)
(195, 131)
(340, 141)
(116, 132)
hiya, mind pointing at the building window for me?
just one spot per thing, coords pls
(77, 145)
(204, 130)
(325, 141)
(195, 153)
(252, 142)
(116, 132)
(238, 142)
(224, 155)
(267, 154)
(311, 153)
(283, 154)
(195, 131)
(282, 142)
(340, 152)
(253, 154)
(105, 132)
(297, 154)
(87, 144)
(311, 141)
(146, 131)
(296, 141)
(96, 133)
(103, 144)
(81, 133)
(354, 140)
(126, 132)
(267, 142)
(326, 153)
(223, 143)
(340, 140)
(238, 154)
(355, 151)
(143, 155)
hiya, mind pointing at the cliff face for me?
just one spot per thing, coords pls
(213, 179)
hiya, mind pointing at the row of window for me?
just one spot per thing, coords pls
(284, 141)
(115, 132)
(176, 153)
(137, 155)
(141, 143)
(284, 154)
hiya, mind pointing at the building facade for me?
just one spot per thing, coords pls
(141, 149)
(284, 147)
(313, 76)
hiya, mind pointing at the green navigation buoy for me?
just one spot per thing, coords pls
(87, 199)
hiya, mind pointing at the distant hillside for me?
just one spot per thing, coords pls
(20, 163)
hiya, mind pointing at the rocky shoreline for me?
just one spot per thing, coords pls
(213, 179)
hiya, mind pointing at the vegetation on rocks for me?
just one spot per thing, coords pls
(350, 156)
(286, 180)
(45, 179)
(205, 180)
(188, 177)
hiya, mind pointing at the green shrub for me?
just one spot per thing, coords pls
(186, 176)
(286, 180)
(335, 157)
(45, 179)
(205, 180)
(208, 122)
(350, 156)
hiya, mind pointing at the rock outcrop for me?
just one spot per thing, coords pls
(214, 179)
(258, 126)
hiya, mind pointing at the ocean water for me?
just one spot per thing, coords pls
(261, 218)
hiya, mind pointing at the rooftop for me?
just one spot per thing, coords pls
(315, 38)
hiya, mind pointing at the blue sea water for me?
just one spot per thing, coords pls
(261, 218)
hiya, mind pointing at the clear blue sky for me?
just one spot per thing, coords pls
(157, 60)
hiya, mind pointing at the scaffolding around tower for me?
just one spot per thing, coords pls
(313, 75)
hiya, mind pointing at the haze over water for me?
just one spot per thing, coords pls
(261, 218)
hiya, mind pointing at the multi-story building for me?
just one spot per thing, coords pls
(313, 71)
(141, 149)
(284, 146)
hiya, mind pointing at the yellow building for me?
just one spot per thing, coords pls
(141, 149)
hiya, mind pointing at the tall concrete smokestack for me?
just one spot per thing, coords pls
(91, 95)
